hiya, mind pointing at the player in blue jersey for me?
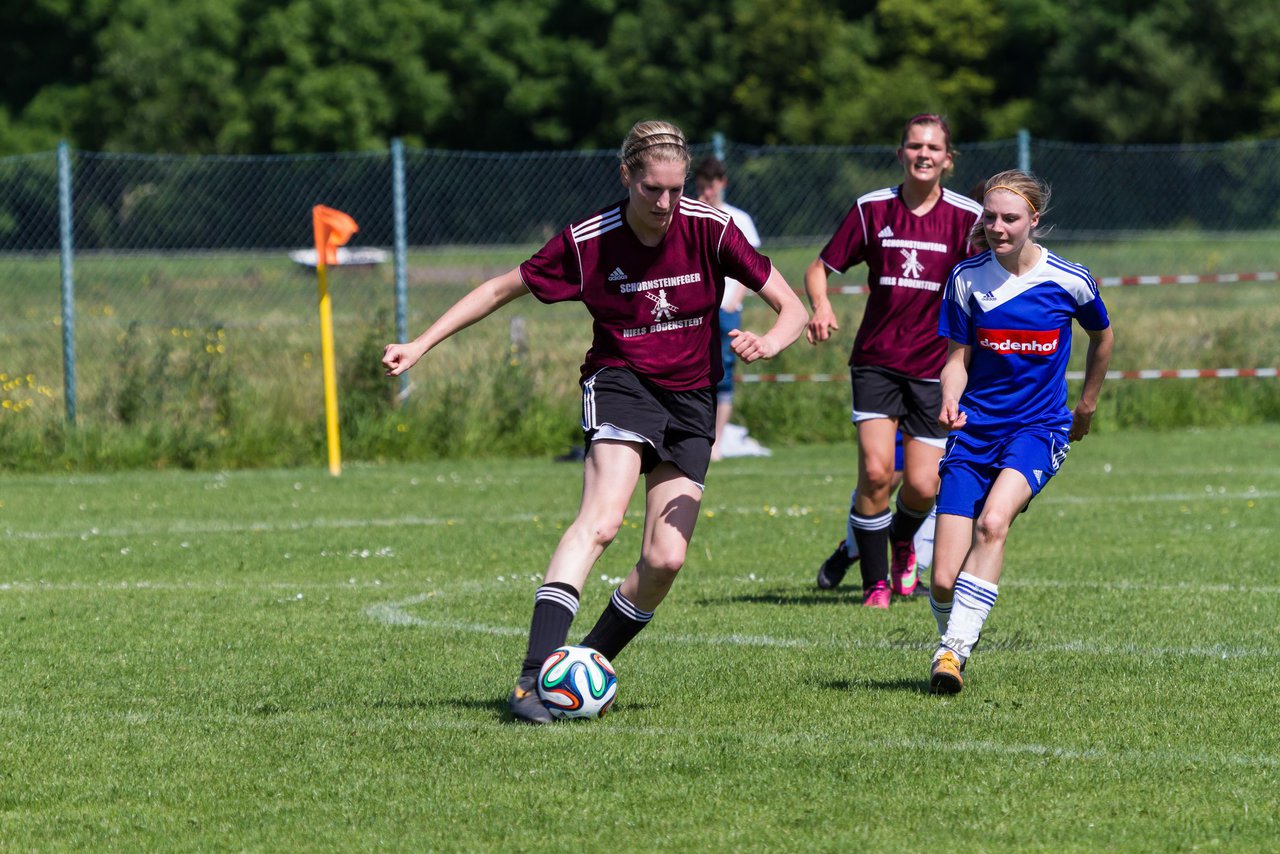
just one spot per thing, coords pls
(1007, 315)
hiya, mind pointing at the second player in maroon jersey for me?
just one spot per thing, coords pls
(909, 236)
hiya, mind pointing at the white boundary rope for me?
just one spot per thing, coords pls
(1111, 281)
(1122, 281)
(1178, 374)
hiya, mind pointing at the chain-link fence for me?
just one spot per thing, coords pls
(167, 256)
(1098, 191)
(146, 203)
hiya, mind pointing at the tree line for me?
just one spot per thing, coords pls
(298, 76)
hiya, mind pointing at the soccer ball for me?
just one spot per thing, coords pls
(577, 682)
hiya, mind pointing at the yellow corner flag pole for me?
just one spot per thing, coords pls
(330, 374)
(333, 228)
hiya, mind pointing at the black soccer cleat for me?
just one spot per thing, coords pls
(833, 569)
(525, 704)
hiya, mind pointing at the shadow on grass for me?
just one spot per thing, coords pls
(808, 599)
(472, 704)
(851, 596)
(493, 705)
(916, 686)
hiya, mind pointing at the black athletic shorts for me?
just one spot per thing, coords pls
(675, 427)
(880, 393)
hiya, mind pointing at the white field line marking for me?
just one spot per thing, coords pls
(396, 614)
(172, 586)
(143, 584)
(1206, 495)
(1125, 757)
(615, 728)
(1140, 587)
(384, 613)
(181, 528)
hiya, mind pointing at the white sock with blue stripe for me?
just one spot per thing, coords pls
(941, 614)
(973, 602)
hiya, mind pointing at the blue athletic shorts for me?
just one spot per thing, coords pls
(729, 320)
(969, 466)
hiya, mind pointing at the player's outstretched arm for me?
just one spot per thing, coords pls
(1096, 362)
(955, 377)
(476, 305)
(785, 330)
(824, 317)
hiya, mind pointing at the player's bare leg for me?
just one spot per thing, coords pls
(610, 472)
(672, 502)
(1009, 494)
(870, 516)
(915, 500)
(609, 476)
(952, 540)
(724, 409)
(976, 585)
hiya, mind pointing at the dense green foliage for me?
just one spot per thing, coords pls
(249, 76)
(286, 661)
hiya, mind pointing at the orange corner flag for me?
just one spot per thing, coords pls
(333, 228)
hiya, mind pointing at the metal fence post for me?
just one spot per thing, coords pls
(401, 250)
(717, 151)
(68, 282)
(1024, 149)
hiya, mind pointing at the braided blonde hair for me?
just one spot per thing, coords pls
(657, 141)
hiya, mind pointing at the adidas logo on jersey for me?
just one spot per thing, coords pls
(617, 275)
(989, 296)
(1039, 473)
(885, 232)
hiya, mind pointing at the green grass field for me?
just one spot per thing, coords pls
(281, 660)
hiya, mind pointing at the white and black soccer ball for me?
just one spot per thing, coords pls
(577, 682)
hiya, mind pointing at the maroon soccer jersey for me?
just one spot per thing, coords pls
(655, 308)
(908, 259)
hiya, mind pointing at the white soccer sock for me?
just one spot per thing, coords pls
(941, 614)
(969, 610)
(924, 540)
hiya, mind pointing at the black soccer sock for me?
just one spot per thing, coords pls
(906, 521)
(872, 534)
(554, 606)
(619, 623)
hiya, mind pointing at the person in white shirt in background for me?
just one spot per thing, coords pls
(711, 180)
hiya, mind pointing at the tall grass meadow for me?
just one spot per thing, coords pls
(214, 362)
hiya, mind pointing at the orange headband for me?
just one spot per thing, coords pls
(1034, 209)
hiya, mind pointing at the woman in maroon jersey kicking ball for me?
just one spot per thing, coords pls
(650, 270)
(909, 236)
